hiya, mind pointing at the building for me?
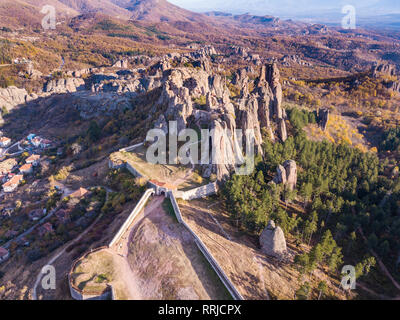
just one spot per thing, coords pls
(13, 183)
(80, 193)
(34, 159)
(26, 168)
(4, 254)
(5, 142)
(7, 166)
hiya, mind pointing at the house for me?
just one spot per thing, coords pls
(27, 168)
(13, 183)
(8, 165)
(63, 216)
(81, 192)
(35, 215)
(34, 159)
(45, 229)
(5, 142)
(4, 254)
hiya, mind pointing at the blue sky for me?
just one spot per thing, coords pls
(291, 8)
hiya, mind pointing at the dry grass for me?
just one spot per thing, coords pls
(177, 175)
(256, 275)
(95, 272)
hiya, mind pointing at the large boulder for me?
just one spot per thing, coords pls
(272, 241)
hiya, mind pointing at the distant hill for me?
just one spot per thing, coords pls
(143, 10)
(158, 10)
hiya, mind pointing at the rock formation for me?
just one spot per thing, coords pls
(261, 108)
(68, 85)
(291, 173)
(383, 68)
(193, 92)
(286, 174)
(121, 64)
(273, 242)
(12, 96)
(323, 118)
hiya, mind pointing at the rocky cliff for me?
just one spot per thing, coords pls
(258, 109)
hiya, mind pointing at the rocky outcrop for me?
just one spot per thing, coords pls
(121, 64)
(240, 51)
(286, 174)
(291, 173)
(273, 242)
(282, 130)
(90, 106)
(394, 85)
(68, 85)
(240, 78)
(200, 97)
(289, 60)
(383, 68)
(12, 96)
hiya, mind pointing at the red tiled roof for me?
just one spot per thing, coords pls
(26, 167)
(32, 158)
(79, 193)
(14, 180)
(163, 185)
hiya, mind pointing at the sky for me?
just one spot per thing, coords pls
(291, 8)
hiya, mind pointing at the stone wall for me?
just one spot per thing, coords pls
(196, 193)
(139, 206)
(132, 170)
(77, 293)
(207, 254)
(131, 148)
